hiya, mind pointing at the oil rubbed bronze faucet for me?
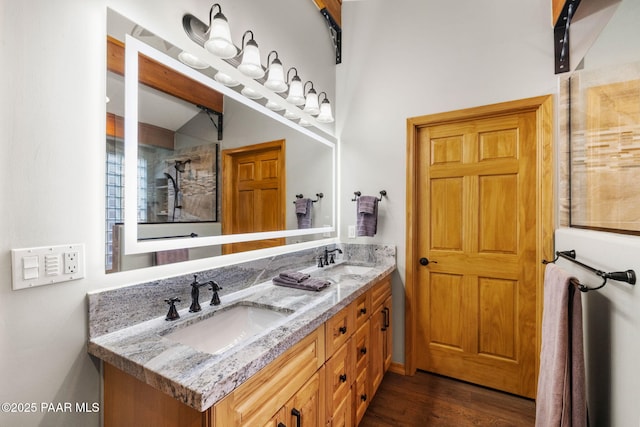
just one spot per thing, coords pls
(330, 259)
(195, 293)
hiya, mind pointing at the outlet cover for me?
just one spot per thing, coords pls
(46, 265)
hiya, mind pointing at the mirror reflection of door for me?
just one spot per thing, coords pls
(253, 193)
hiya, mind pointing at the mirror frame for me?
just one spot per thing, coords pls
(134, 47)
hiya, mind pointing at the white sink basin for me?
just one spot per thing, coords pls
(227, 328)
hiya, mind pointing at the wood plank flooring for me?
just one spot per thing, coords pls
(431, 400)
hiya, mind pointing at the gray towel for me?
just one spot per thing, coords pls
(367, 216)
(561, 398)
(303, 212)
(294, 275)
(169, 257)
(310, 284)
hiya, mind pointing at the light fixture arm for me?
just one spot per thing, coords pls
(250, 40)
(211, 15)
(304, 88)
(294, 69)
(325, 96)
(269, 56)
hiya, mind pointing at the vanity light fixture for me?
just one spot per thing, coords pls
(225, 79)
(274, 106)
(275, 77)
(250, 65)
(311, 105)
(251, 93)
(219, 42)
(325, 116)
(296, 91)
(291, 115)
(192, 61)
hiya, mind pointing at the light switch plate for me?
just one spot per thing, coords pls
(46, 265)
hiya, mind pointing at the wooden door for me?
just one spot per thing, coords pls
(478, 250)
(253, 193)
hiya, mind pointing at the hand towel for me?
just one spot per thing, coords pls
(169, 257)
(294, 275)
(367, 216)
(561, 398)
(303, 212)
(310, 284)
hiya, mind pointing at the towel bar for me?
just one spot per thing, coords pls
(628, 276)
(358, 194)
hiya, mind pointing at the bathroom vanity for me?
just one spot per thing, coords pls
(313, 359)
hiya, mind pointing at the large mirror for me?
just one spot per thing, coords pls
(198, 176)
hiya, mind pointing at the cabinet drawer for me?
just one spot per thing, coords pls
(361, 397)
(362, 309)
(380, 292)
(339, 373)
(261, 396)
(362, 348)
(338, 329)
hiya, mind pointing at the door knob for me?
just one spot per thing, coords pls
(425, 261)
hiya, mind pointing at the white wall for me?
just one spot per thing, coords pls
(52, 121)
(421, 57)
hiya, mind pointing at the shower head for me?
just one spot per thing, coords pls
(180, 165)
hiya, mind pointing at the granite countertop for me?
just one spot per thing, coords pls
(201, 379)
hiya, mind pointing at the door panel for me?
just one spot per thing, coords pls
(477, 298)
(253, 193)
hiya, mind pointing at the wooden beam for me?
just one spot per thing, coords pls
(334, 7)
(155, 75)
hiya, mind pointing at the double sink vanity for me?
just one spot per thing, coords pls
(266, 355)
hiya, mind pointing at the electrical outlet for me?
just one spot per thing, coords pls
(71, 260)
(46, 265)
(351, 231)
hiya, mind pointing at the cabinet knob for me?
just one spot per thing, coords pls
(363, 397)
(343, 378)
(363, 310)
(343, 330)
(363, 350)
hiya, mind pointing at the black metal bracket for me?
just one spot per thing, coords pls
(216, 123)
(561, 36)
(335, 32)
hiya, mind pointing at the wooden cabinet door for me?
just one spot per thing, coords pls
(376, 354)
(339, 377)
(265, 393)
(387, 338)
(342, 415)
(307, 407)
(361, 356)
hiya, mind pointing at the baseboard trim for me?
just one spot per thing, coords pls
(397, 368)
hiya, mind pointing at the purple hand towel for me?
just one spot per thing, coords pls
(561, 399)
(169, 257)
(303, 212)
(310, 284)
(367, 216)
(294, 275)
